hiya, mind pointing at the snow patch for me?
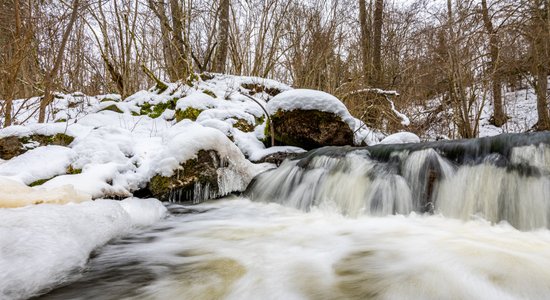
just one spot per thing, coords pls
(401, 138)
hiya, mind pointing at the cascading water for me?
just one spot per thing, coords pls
(498, 178)
(404, 239)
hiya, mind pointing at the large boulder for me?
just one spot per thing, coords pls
(310, 119)
(198, 163)
(195, 180)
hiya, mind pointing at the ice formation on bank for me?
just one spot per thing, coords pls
(16, 194)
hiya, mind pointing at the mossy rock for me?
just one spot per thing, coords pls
(59, 139)
(243, 125)
(199, 174)
(112, 107)
(40, 182)
(255, 88)
(310, 129)
(190, 113)
(206, 76)
(109, 100)
(12, 146)
(210, 93)
(72, 170)
(155, 111)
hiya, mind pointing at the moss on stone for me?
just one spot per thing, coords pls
(109, 100)
(145, 109)
(12, 146)
(255, 88)
(59, 139)
(209, 93)
(155, 111)
(190, 113)
(206, 76)
(243, 125)
(71, 170)
(113, 107)
(40, 182)
(201, 170)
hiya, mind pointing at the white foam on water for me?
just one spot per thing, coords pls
(244, 250)
(41, 245)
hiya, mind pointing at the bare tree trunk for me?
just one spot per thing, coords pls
(365, 39)
(50, 76)
(457, 89)
(377, 42)
(181, 60)
(223, 37)
(165, 28)
(539, 52)
(499, 116)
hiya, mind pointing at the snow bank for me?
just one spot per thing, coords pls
(401, 138)
(15, 194)
(40, 245)
(198, 100)
(304, 99)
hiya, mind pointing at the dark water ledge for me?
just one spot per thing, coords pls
(462, 151)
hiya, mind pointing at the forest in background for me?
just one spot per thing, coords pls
(460, 51)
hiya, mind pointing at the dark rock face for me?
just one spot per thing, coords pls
(196, 182)
(277, 158)
(12, 146)
(310, 129)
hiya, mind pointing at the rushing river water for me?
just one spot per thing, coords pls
(454, 220)
(238, 249)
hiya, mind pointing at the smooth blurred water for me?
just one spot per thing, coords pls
(238, 249)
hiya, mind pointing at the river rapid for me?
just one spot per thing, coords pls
(237, 249)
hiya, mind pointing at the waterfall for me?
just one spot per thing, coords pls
(502, 178)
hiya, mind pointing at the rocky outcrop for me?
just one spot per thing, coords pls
(310, 129)
(12, 146)
(196, 181)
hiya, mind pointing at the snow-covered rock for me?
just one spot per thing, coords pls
(304, 99)
(110, 147)
(401, 138)
(198, 163)
(310, 119)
